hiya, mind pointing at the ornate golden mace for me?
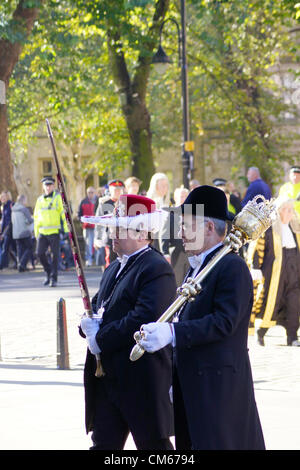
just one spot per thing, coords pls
(249, 224)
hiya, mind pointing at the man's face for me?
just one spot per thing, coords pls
(294, 177)
(124, 242)
(48, 188)
(250, 175)
(133, 188)
(115, 192)
(193, 234)
(90, 193)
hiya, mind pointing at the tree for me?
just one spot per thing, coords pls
(13, 36)
(233, 49)
(132, 30)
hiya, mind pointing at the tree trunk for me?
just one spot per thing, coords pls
(23, 20)
(138, 124)
(132, 92)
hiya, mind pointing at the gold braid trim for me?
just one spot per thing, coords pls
(257, 246)
(274, 281)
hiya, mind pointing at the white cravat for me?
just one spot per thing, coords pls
(196, 261)
(124, 258)
(287, 237)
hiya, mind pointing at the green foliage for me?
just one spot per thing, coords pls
(234, 49)
(65, 73)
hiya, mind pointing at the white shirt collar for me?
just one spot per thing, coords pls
(124, 258)
(197, 260)
(287, 237)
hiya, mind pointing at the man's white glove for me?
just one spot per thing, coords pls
(90, 327)
(156, 336)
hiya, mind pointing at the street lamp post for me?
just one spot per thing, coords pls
(162, 58)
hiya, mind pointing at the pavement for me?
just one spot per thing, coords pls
(42, 405)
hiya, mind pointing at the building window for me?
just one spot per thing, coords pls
(47, 168)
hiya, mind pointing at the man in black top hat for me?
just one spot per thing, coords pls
(214, 403)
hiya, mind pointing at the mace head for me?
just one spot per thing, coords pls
(256, 217)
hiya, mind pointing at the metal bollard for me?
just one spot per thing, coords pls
(62, 336)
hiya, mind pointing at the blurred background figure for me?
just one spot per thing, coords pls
(194, 184)
(274, 262)
(291, 189)
(132, 185)
(102, 241)
(87, 208)
(49, 220)
(22, 228)
(256, 186)
(234, 203)
(159, 190)
(171, 241)
(7, 244)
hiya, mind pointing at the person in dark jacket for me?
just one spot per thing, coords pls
(7, 247)
(171, 242)
(213, 393)
(106, 205)
(135, 288)
(257, 186)
(22, 229)
(86, 208)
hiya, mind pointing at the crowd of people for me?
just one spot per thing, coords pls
(41, 234)
(144, 258)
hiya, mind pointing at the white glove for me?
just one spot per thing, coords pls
(156, 336)
(256, 274)
(90, 327)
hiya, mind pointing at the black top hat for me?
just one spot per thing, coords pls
(207, 201)
(48, 180)
(295, 168)
(117, 183)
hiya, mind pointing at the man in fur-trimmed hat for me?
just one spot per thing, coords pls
(135, 288)
(214, 403)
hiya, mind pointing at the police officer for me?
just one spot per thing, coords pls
(49, 217)
(291, 189)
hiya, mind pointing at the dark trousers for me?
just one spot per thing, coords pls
(288, 296)
(110, 429)
(7, 248)
(24, 251)
(182, 435)
(43, 242)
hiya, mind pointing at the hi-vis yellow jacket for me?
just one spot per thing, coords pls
(49, 215)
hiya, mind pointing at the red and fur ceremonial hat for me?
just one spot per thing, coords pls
(132, 212)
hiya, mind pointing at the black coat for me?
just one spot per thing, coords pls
(212, 360)
(142, 295)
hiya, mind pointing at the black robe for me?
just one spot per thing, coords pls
(266, 254)
(212, 360)
(145, 291)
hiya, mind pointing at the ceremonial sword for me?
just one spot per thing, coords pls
(74, 244)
